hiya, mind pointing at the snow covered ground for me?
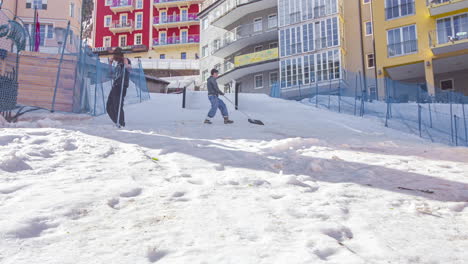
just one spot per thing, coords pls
(312, 186)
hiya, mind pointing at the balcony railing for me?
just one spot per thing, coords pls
(122, 3)
(190, 39)
(433, 3)
(439, 38)
(242, 32)
(156, 2)
(175, 19)
(256, 57)
(118, 26)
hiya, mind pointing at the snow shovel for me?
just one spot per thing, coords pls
(253, 121)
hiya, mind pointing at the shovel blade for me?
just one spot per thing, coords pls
(256, 122)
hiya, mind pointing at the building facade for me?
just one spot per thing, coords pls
(240, 40)
(301, 47)
(324, 45)
(422, 42)
(52, 14)
(166, 30)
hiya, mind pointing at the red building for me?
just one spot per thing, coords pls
(151, 29)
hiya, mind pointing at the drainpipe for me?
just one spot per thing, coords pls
(373, 46)
(16, 8)
(364, 74)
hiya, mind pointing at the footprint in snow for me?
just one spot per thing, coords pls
(32, 228)
(114, 203)
(296, 182)
(132, 193)
(153, 254)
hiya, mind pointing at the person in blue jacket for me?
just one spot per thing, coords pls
(213, 95)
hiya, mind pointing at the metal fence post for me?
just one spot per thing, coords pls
(236, 97)
(60, 67)
(451, 115)
(339, 97)
(430, 115)
(184, 94)
(329, 94)
(419, 120)
(455, 120)
(96, 85)
(355, 94)
(464, 122)
(316, 94)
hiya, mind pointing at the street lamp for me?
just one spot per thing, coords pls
(59, 36)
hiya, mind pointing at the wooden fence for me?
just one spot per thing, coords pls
(37, 77)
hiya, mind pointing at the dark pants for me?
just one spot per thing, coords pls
(216, 104)
(113, 105)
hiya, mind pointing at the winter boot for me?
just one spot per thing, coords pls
(227, 121)
(208, 121)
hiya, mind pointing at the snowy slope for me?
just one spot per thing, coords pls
(311, 186)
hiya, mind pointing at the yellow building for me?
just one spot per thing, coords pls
(422, 41)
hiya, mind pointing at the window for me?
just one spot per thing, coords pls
(184, 36)
(162, 56)
(162, 38)
(258, 81)
(184, 15)
(122, 41)
(369, 30)
(273, 45)
(370, 61)
(107, 21)
(273, 78)
(138, 39)
(139, 4)
(205, 75)
(163, 16)
(108, 2)
(139, 21)
(50, 31)
(366, 1)
(216, 44)
(446, 84)
(272, 21)
(42, 34)
(183, 55)
(204, 23)
(39, 4)
(205, 51)
(123, 20)
(72, 9)
(399, 8)
(107, 42)
(452, 28)
(258, 26)
(402, 41)
(258, 48)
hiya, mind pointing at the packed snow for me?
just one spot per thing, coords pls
(311, 186)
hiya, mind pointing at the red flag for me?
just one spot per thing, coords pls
(38, 34)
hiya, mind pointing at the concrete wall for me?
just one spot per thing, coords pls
(248, 83)
(460, 80)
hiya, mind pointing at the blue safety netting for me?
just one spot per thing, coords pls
(405, 106)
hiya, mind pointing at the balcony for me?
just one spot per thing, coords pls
(118, 26)
(241, 9)
(439, 7)
(175, 21)
(118, 6)
(266, 60)
(243, 36)
(441, 42)
(175, 3)
(177, 40)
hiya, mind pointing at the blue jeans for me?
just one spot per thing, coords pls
(215, 104)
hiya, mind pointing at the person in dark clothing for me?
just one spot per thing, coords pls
(118, 92)
(213, 96)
